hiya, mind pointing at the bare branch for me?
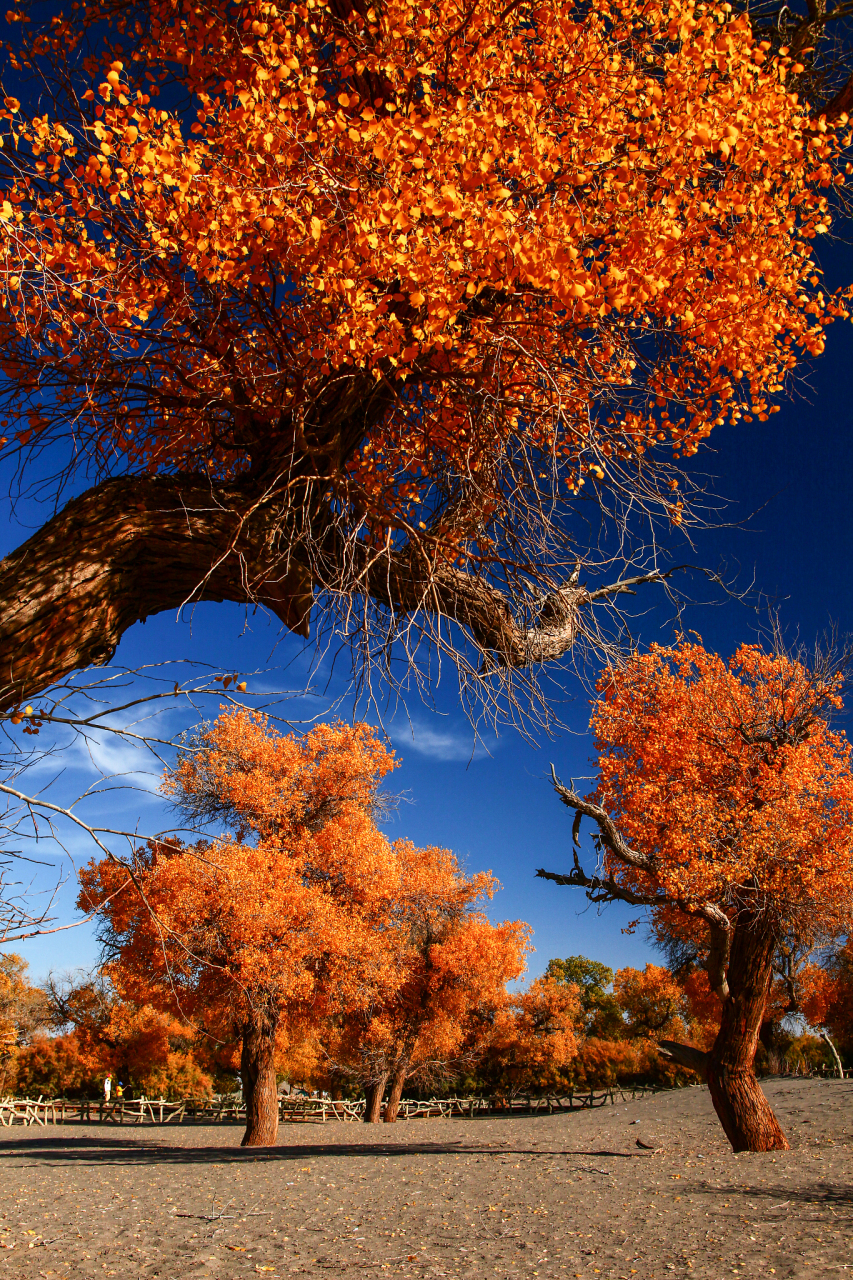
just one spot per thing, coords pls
(610, 834)
(686, 1056)
(606, 888)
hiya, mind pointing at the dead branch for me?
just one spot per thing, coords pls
(686, 1056)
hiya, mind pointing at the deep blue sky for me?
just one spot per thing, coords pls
(497, 810)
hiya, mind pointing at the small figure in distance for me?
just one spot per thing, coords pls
(108, 1087)
(119, 1090)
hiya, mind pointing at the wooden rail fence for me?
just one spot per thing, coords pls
(41, 1111)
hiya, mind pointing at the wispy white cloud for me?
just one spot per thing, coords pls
(114, 757)
(436, 744)
(98, 755)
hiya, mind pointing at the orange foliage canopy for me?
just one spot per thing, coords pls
(574, 229)
(275, 915)
(652, 1000)
(535, 1040)
(730, 780)
(827, 995)
(303, 915)
(278, 921)
(704, 1005)
(450, 966)
(724, 804)
(23, 1011)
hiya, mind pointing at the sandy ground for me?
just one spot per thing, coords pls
(566, 1196)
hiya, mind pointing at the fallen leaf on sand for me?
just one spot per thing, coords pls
(648, 1146)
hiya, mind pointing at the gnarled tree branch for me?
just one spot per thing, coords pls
(606, 888)
(135, 546)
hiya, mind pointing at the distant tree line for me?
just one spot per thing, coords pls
(578, 1026)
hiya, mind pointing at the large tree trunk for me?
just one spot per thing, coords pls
(257, 1071)
(395, 1093)
(373, 1104)
(743, 1110)
(132, 547)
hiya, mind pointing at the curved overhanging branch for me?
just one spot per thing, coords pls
(408, 583)
(135, 546)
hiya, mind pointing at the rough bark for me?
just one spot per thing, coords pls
(129, 548)
(395, 1093)
(257, 1072)
(742, 1108)
(135, 546)
(373, 1104)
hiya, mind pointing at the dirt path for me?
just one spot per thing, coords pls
(564, 1196)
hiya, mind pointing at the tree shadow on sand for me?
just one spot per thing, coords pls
(116, 1150)
(818, 1194)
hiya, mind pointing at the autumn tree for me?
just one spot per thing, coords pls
(825, 1000)
(98, 1031)
(724, 805)
(838, 1015)
(535, 1039)
(601, 1013)
(617, 1030)
(653, 1003)
(277, 921)
(330, 304)
(23, 1012)
(450, 967)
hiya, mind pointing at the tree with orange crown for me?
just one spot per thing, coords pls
(652, 1001)
(281, 919)
(102, 1033)
(827, 1000)
(452, 968)
(23, 1011)
(724, 801)
(535, 1038)
(332, 300)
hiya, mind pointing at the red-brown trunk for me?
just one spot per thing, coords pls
(398, 1080)
(373, 1105)
(743, 1110)
(257, 1070)
(131, 547)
